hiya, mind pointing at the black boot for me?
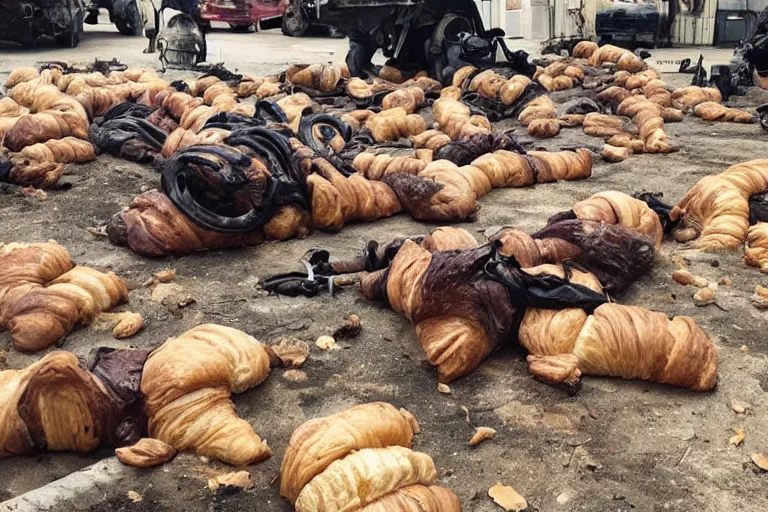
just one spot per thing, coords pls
(152, 35)
(93, 17)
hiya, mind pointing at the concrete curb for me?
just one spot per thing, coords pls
(83, 486)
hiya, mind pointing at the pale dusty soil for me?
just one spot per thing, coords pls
(638, 432)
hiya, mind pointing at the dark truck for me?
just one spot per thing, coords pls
(25, 21)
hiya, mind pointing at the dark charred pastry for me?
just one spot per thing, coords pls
(465, 151)
(117, 231)
(758, 207)
(270, 110)
(128, 109)
(415, 194)
(231, 122)
(131, 138)
(654, 202)
(615, 255)
(120, 371)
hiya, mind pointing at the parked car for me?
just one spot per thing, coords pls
(24, 21)
(242, 14)
(125, 14)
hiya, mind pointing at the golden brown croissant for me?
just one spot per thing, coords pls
(375, 167)
(624, 60)
(571, 120)
(391, 74)
(259, 87)
(177, 103)
(22, 264)
(19, 75)
(544, 128)
(627, 140)
(9, 108)
(622, 341)
(194, 119)
(359, 459)
(181, 138)
(584, 49)
(97, 101)
(417, 498)
(40, 127)
(430, 139)
(618, 208)
(40, 316)
(363, 477)
(319, 442)
(602, 125)
(337, 200)
(147, 453)
(496, 87)
(714, 214)
(557, 83)
(656, 91)
(187, 384)
(614, 153)
(756, 250)
(38, 174)
(688, 97)
(152, 226)
(613, 94)
(711, 111)
(65, 151)
(650, 124)
(395, 124)
(410, 99)
(455, 120)
(323, 78)
(52, 404)
(540, 108)
(294, 107)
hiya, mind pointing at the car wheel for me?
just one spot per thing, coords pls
(241, 27)
(294, 22)
(129, 22)
(70, 38)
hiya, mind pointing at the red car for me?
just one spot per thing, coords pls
(242, 14)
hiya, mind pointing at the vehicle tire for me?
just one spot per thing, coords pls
(129, 22)
(71, 37)
(295, 24)
(241, 27)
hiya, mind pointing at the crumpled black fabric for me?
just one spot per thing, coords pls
(128, 137)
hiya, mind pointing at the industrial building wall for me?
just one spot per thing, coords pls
(696, 29)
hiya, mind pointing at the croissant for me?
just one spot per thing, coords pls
(430, 139)
(391, 74)
(360, 459)
(19, 75)
(628, 141)
(544, 128)
(66, 151)
(410, 99)
(508, 169)
(496, 87)
(323, 78)
(177, 103)
(187, 384)
(146, 453)
(714, 214)
(181, 138)
(688, 97)
(40, 127)
(623, 59)
(455, 120)
(395, 124)
(614, 207)
(337, 200)
(656, 91)
(194, 119)
(260, 88)
(359, 89)
(602, 125)
(650, 124)
(756, 250)
(96, 102)
(584, 49)
(294, 107)
(375, 167)
(617, 341)
(614, 94)
(36, 264)
(557, 83)
(152, 226)
(319, 442)
(34, 173)
(540, 108)
(672, 115)
(614, 153)
(40, 316)
(711, 111)
(53, 404)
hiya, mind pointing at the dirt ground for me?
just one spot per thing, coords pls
(616, 446)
